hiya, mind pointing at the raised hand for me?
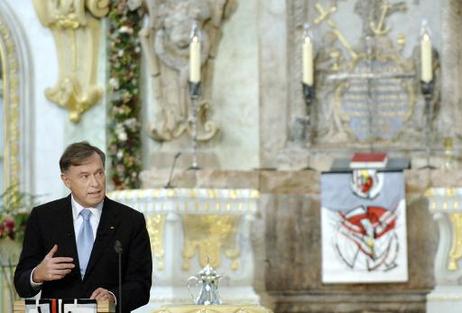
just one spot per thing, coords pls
(52, 268)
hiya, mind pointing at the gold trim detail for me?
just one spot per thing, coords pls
(11, 118)
(76, 29)
(209, 235)
(456, 248)
(156, 228)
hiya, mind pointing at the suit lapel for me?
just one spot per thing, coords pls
(65, 231)
(104, 235)
(65, 228)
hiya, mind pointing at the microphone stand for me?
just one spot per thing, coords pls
(169, 181)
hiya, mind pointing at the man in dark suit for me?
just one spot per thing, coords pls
(69, 245)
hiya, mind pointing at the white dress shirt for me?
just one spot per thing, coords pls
(78, 219)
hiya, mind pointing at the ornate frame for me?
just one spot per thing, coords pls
(17, 111)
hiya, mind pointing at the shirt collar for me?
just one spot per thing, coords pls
(76, 208)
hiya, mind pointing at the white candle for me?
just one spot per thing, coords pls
(426, 58)
(195, 60)
(308, 61)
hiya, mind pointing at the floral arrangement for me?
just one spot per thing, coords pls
(15, 207)
(124, 134)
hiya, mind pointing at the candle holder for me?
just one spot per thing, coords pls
(194, 93)
(309, 95)
(427, 89)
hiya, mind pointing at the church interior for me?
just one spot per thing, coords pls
(309, 151)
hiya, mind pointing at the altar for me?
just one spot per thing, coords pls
(192, 227)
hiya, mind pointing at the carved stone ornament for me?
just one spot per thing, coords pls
(367, 77)
(370, 88)
(165, 43)
(76, 28)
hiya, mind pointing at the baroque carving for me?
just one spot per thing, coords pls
(210, 236)
(165, 42)
(369, 89)
(76, 27)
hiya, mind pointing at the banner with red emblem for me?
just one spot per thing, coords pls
(363, 227)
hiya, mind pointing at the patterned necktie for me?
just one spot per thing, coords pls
(85, 241)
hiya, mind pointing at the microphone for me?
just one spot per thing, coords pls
(118, 249)
(172, 168)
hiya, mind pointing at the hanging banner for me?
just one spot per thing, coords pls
(363, 227)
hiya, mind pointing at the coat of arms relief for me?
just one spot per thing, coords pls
(367, 76)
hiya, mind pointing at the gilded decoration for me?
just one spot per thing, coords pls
(11, 122)
(455, 254)
(76, 28)
(165, 43)
(210, 222)
(445, 203)
(209, 236)
(155, 224)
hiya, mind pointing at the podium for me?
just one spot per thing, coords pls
(102, 307)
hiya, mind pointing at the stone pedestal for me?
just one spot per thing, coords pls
(190, 227)
(446, 206)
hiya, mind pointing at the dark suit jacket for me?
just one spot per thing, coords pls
(52, 223)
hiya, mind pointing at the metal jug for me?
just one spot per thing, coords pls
(208, 280)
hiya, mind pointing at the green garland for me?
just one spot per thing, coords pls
(124, 130)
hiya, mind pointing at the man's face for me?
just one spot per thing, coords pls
(87, 181)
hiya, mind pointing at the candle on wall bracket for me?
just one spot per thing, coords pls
(194, 88)
(308, 67)
(427, 85)
(307, 81)
(307, 86)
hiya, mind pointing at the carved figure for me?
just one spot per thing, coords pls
(165, 42)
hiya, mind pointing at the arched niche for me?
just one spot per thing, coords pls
(17, 82)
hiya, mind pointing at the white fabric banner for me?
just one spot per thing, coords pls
(363, 227)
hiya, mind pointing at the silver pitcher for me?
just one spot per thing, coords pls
(208, 280)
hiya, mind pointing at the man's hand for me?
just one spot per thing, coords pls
(52, 268)
(103, 294)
